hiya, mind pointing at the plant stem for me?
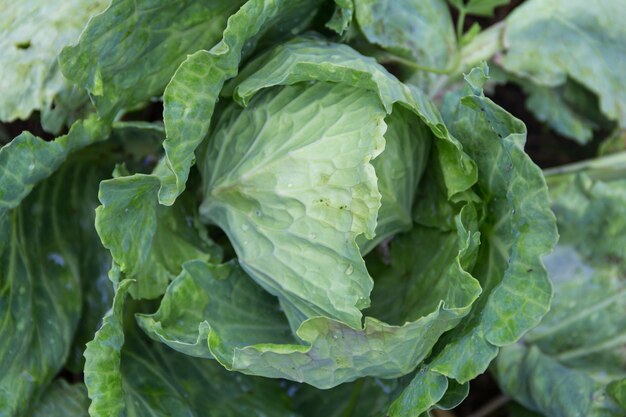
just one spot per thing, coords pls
(606, 168)
(387, 57)
(484, 46)
(459, 25)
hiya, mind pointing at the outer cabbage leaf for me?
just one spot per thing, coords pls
(542, 384)
(33, 34)
(607, 168)
(517, 229)
(192, 387)
(40, 294)
(246, 333)
(181, 321)
(292, 195)
(424, 391)
(42, 253)
(127, 54)
(573, 363)
(62, 400)
(132, 143)
(102, 360)
(366, 397)
(167, 236)
(586, 44)
(27, 159)
(146, 379)
(53, 251)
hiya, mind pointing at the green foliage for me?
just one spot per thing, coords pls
(330, 220)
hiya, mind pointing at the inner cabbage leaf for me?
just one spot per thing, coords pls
(289, 180)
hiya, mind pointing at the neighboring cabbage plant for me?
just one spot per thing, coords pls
(574, 363)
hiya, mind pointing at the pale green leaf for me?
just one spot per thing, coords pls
(33, 34)
(181, 321)
(608, 168)
(426, 260)
(549, 105)
(454, 396)
(165, 237)
(419, 261)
